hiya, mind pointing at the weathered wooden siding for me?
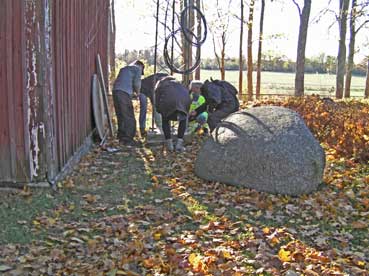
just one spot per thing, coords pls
(47, 58)
(80, 33)
(14, 159)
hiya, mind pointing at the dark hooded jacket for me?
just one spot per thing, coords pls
(171, 97)
(148, 84)
(220, 95)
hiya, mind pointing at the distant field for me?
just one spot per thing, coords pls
(283, 83)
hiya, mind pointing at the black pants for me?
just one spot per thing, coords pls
(125, 115)
(181, 127)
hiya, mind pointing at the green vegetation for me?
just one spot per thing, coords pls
(283, 83)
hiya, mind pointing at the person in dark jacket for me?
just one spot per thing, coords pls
(172, 101)
(221, 98)
(147, 88)
(126, 84)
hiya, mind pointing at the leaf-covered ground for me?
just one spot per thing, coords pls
(144, 212)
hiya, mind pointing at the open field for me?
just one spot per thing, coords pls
(283, 83)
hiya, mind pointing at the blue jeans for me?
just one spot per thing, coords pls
(143, 110)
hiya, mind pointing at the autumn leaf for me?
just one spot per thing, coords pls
(155, 179)
(359, 225)
(4, 268)
(197, 262)
(284, 255)
(89, 198)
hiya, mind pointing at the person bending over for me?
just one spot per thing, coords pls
(221, 98)
(172, 101)
(147, 89)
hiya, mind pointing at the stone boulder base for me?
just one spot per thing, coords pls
(266, 148)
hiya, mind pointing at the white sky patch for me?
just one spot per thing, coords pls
(136, 29)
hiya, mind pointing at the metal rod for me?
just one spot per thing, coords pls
(155, 59)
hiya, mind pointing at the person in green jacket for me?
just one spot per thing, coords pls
(198, 114)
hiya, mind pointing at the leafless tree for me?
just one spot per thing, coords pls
(301, 46)
(358, 11)
(367, 80)
(341, 57)
(198, 49)
(261, 33)
(240, 75)
(219, 28)
(249, 50)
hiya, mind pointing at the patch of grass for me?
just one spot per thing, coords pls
(17, 214)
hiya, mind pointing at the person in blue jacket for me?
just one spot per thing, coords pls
(126, 84)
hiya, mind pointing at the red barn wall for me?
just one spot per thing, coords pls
(47, 57)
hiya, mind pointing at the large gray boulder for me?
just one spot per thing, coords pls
(266, 148)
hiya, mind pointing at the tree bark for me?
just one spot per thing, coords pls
(301, 47)
(341, 57)
(350, 58)
(258, 70)
(249, 51)
(367, 81)
(112, 30)
(198, 49)
(240, 75)
(222, 57)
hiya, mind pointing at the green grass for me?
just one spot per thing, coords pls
(125, 188)
(17, 214)
(283, 83)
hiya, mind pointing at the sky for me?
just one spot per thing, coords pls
(135, 24)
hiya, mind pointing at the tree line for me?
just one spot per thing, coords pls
(351, 17)
(271, 62)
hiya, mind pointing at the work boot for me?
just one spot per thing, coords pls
(169, 145)
(143, 132)
(179, 145)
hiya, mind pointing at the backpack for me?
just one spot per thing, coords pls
(214, 92)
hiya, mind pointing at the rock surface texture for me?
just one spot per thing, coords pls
(266, 148)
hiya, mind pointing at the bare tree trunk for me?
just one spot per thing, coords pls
(191, 22)
(222, 57)
(240, 75)
(367, 81)
(249, 51)
(350, 58)
(258, 70)
(198, 49)
(301, 47)
(112, 30)
(187, 46)
(341, 57)
(221, 28)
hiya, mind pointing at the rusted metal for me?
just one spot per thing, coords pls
(47, 58)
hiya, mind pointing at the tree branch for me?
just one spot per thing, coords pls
(362, 25)
(298, 6)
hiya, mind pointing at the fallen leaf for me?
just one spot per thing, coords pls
(4, 268)
(284, 255)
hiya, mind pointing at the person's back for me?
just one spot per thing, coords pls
(172, 101)
(171, 96)
(147, 90)
(148, 84)
(128, 80)
(221, 97)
